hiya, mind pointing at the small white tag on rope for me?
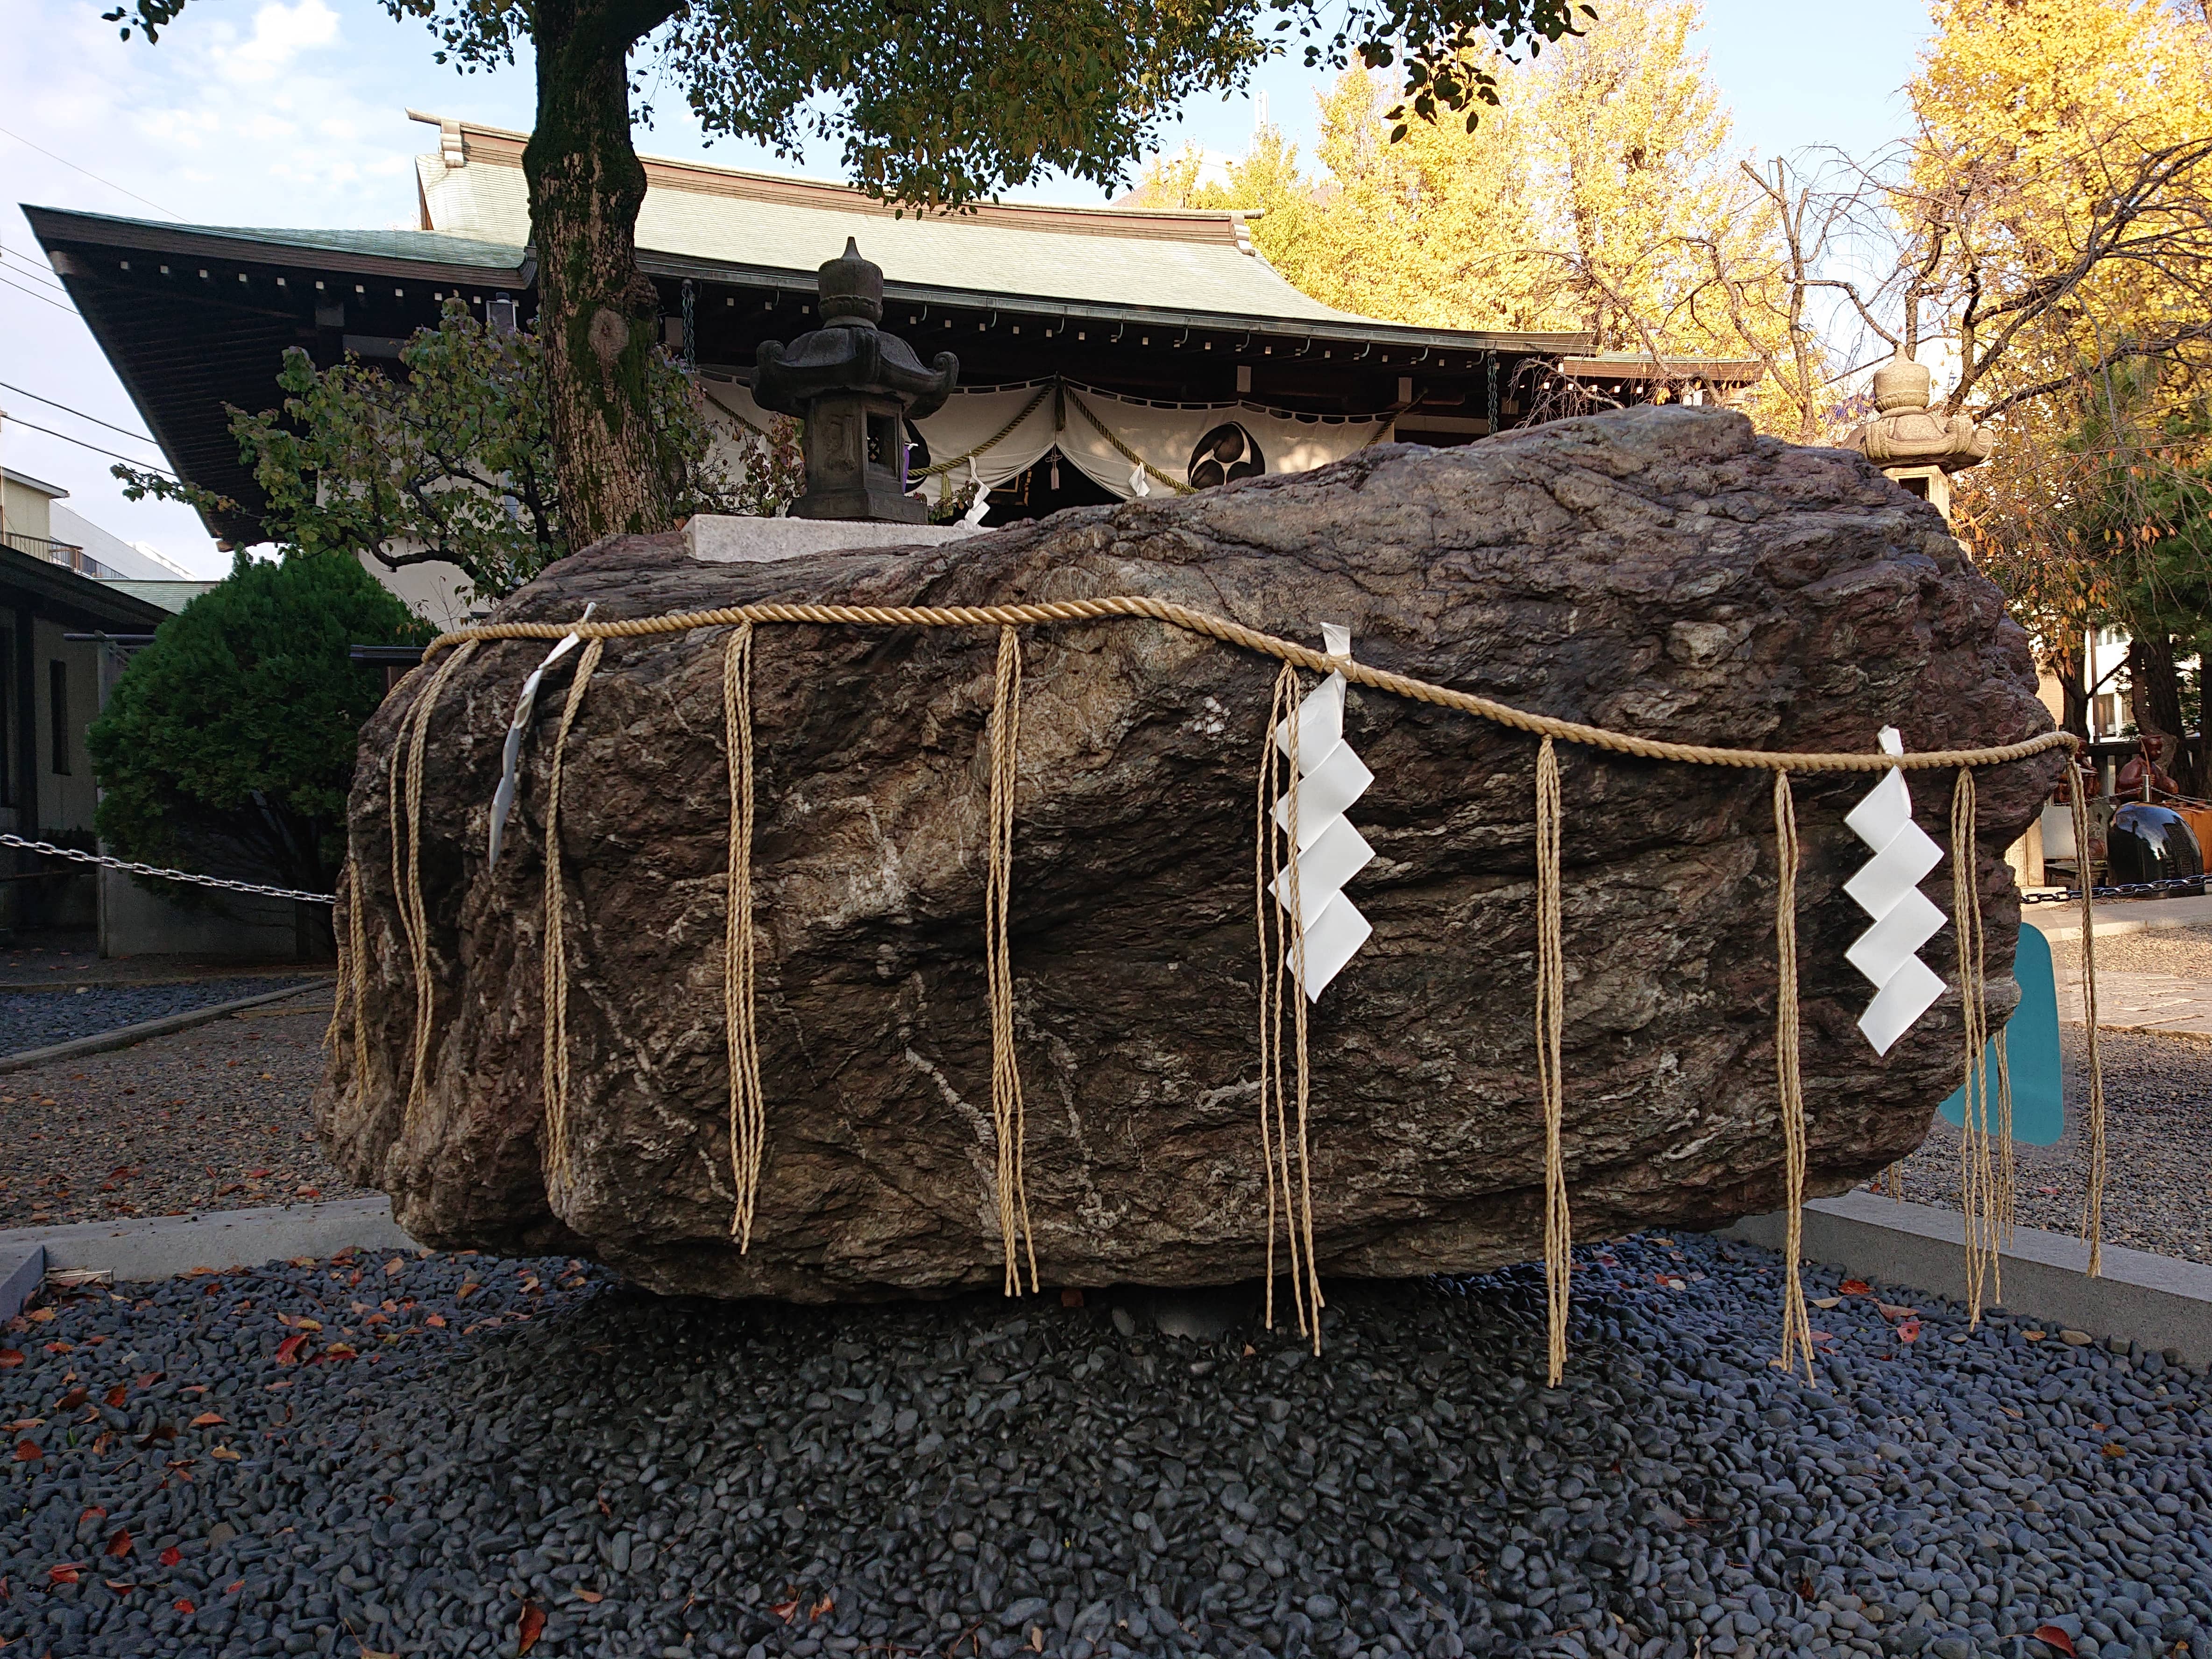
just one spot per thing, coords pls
(1887, 888)
(502, 800)
(1138, 483)
(1328, 850)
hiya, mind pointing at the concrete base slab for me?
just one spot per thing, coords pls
(161, 1247)
(721, 538)
(2159, 1301)
(23, 1270)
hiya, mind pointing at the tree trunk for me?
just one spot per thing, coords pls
(2066, 665)
(2155, 691)
(596, 312)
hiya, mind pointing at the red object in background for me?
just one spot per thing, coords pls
(2128, 784)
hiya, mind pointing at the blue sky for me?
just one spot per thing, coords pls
(291, 113)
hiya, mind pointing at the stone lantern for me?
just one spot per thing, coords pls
(855, 387)
(1920, 449)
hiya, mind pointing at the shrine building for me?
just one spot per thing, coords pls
(1103, 352)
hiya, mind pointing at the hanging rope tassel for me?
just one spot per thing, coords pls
(1281, 929)
(342, 937)
(415, 918)
(1796, 1320)
(1274, 946)
(2093, 1208)
(557, 1171)
(1008, 1115)
(357, 930)
(1978, 1197)
(1303, 1265)
(748, 1101)
(1551, 975)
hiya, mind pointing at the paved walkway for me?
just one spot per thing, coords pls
(2139, 1002)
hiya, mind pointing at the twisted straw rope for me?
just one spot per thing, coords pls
(1550, 729)
(748, 1100)
(1551, 1080)
(1265, 644)
(1009, 1119)
(1978, 1196)
(2093, 1209)
(1796, 1320)
(555, 942)
(417, 918)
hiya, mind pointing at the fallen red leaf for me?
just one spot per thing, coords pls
(69, 1402)
(288, 1351)
(1853, 1287)
(438, 1320)
(591, 1597)
(120, 1545)
(1908, 1330)
(785, 1611)
(181, 1605)
(10, 1358)
(2052, 1637)
(118, 1586)
(205, 1420)
(258, 1175)
(64, 1572)
(94, 1513)
(118, 1394)
(825, 1605)
(27, 1451)
(171, 1556)
(528, 1629)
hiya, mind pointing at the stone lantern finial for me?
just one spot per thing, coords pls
(1917, 448)
(854, 386)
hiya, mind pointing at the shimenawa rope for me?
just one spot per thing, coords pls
(1551, 1083)
(748, 1101)
(1006, 1097)
(557, 1171)
(1008, 1118)
(2093, 1208)
(1796, 1321)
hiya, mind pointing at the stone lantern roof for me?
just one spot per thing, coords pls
(1906, 433)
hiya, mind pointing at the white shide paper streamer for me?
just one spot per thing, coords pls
(1330, 851)
(1888, 889)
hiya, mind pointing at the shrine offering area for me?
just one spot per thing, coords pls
(459, 1454)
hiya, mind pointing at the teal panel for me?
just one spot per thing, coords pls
(2030, 1040)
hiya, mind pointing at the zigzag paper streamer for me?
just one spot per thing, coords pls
(1888, 889)
(1330, 851)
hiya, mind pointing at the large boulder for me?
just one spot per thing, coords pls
(1661, 571)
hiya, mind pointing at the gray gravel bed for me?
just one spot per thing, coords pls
(2185, 952)
(980, 1476)
(209, 1118)
(2158, 1136)
(37, 1019)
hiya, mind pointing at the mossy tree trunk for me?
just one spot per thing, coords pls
(596, 312)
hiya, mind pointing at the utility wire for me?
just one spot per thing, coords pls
(37, 268)
(25, 392)
(35, 295)
(32, 425)
(88, 172)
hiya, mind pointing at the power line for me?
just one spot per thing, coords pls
(33, 267)
(30, 426)
(125, 431)
(88, 172)
(35, 295)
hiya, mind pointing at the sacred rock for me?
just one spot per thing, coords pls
(1661, 571)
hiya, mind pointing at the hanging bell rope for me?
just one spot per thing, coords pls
(2092, 1208)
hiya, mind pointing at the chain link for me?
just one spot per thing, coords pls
(105, 862)
(2124, 890)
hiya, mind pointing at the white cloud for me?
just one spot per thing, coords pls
(280, 35)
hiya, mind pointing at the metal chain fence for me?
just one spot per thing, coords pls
(105, 862)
